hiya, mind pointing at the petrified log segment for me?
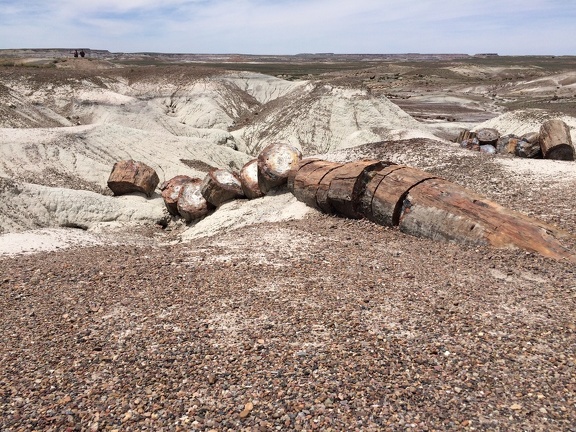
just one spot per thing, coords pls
(309, 178)
(249, 180)
(274, 163)
(555, 140)
(442, 210)
(294, 171)
(191, 204)
(220, 186)
(129, 176)
(385, 192)
(171, 191)
(465, 135)
(487, 136)
(348, 184)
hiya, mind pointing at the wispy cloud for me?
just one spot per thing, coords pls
(292, 26)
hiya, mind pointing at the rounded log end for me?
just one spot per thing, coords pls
(275, 162)
(249, 180)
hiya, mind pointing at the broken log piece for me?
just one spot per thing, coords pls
(220, 186)
(274, 163)
(507, 144)
(294, 171)
(487, 136)
(442, 210)
(383, 196)
(529, 146)
(171, 191)
(191, 204)
(555, 141)
(465, 135)
(308, 179)
(249, 180)
(129, 176)
(348, 184)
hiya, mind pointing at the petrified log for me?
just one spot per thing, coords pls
(348, 184)
(385, 192)
(555, 140)
(465, 135)
(309, 179)
(220, 186)
(129, 176)
(191, 204)
(171, 191)
(274, 163)
(487, 136)
(249, 180)
(442, 210)
(294, 171)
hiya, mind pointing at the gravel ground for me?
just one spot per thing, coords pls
(317, 324)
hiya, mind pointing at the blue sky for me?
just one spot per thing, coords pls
(510, 27)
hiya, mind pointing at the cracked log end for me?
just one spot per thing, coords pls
(275, 162)
(249, 180)
(220, 186)
(191, 204)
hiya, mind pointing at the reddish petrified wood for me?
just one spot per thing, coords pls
(249, 180)
(308, 180)
(555, 140)
(171, 191)
(384, 193)
(442, 210)
(294, 171)
(132, 176)
(348, 184)
(220, 186)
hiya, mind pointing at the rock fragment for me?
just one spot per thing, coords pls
(130, 176)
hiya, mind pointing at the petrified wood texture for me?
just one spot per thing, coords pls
(220, 186)
(249, 180)
(191, 204)
(555, 140)
(171, 192)
(442, 210)
(274, 163)
(129, 176)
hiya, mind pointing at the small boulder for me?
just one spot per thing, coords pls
(191, 204)
(507, 144)
(130, 176)
(274, 163)
(171, 192)
(529, 146)
(487, 136)
(249, 180)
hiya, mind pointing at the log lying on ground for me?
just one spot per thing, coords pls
(171, 192)
(529, 146)
(220, 186)
(487, 136)
(249, 180)
(191, 204)
(441, 210)
(421, 204)
(555, 140)
(274, 164)
(129, 176)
